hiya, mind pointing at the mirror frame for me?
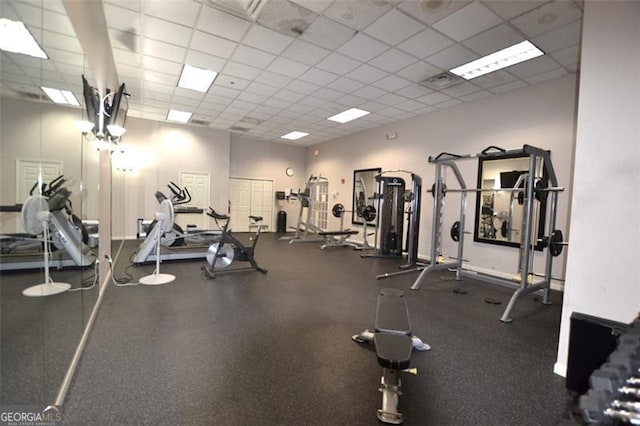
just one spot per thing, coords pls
(354, 205)
(542, 205)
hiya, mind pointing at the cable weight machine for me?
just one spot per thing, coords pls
(390, 234)
(536, 189)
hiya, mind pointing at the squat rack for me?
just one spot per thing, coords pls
(533, 186)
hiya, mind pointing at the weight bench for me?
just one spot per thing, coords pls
(394, 342)
(330, 239)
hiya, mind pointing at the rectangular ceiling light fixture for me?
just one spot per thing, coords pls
(16, 38)
(63, 97)
(348, 115)
(178, 116)
(198, 79)
(515, 54)
(292, 136)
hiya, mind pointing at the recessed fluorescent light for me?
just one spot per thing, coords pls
(16, 38)
(197, 79)
(348, 115)
(501, 59)
(178, 116)
(64, 97)
(292, 136)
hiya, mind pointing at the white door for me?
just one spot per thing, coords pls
(28, 172)
(250, 197)
(198, 185)
(240, 204)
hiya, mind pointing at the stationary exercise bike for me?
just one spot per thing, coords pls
(228, 248)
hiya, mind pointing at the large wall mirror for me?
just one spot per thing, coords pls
(364, 188)
(39, 142)
(500, 209)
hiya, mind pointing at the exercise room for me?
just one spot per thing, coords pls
(288, 212)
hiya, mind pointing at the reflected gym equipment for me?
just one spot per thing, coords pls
(533, 191)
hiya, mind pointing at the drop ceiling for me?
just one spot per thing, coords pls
(288, 65)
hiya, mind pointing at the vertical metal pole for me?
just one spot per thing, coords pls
(549, 258)
(463, 208)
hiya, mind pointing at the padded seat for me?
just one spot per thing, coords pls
(393, 350)
(392, 315)
(345, 232)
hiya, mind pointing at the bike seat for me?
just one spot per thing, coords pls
(256, 218)
(215, 215)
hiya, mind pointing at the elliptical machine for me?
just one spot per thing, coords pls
(228, 248)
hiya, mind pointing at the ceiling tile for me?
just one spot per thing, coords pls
(475, 96)
(60, 41)
(366, 74)
(266, 39)
(391, 99)
(240, 70)
(394, 27)
(287, 67)
(338, 63)
(433, 98)
(304, 52)
(534, 66)
(273, 79)
(158, 88)
(451, 57)
(350, 100)
(222, 24)
(419, 71)
(369, 92)
(125, 40)
(212, 45)
(261, 89)
(127, 58)
(560, 38)
(169, 32)
(510, 9)
(345, 85)
(392, 60)
(449, 103)
(568, 56)
(317, 6)
(468, 21)
(159, 77)
(413, 91)
(548, 17)
(494, 79)
(231, 82)
(549, 75)
(328, 94)
(168, 67)
(409, 105)
(391, 83)
(122, 19)
(254, 57)
(356, 13)
(390, 111)
(202, 60)
(302, 87)
(163, 50)
(327, 33)
(184, 12)
(317, 76)
(508, 87)
(288, 95)
(362, 48)
(461, 89)
(251, 97)
(425, 43)
(493, 40)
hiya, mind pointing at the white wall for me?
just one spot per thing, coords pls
(35, 130)
(161, 150)
(540, 115)
(603, 276)
(267, 160)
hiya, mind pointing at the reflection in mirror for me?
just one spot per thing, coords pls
(39, 142)
(364, 186)
(500, 206)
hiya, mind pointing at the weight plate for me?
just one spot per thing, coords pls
(337, 210)
(224, 257)
(555, 243)
(369, 213)
(455, 231)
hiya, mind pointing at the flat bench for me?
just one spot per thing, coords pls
(337, 238)
(394, 342)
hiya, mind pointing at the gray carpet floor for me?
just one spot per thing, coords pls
(276, 349)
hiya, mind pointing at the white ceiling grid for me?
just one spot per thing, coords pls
(290, 72)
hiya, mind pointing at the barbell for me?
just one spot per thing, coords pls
(540, 191)
(555, 242)
(368, 213)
